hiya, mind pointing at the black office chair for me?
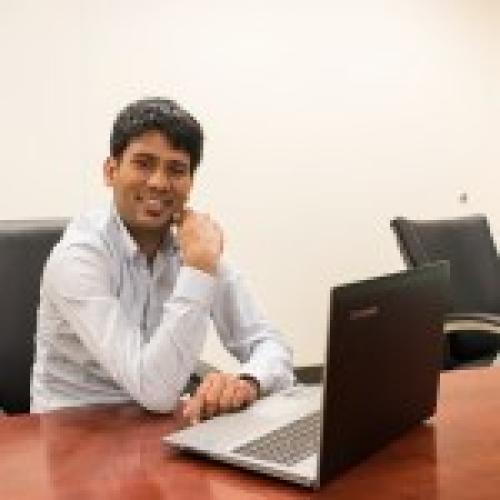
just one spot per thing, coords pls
(473, 323)
(24, 248)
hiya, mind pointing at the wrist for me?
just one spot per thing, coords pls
(253, 381)
(205, 265)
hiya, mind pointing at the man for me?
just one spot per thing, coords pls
(127, 294)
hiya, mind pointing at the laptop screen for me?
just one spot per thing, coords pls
(383, 361)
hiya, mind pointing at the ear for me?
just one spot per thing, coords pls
(110, 168)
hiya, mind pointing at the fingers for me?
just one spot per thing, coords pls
(204, 403)
(179, 217)
(228, 400)
(192, 410)
(210, 393)
(248, 392)
(218, 393)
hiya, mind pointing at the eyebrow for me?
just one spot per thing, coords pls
(148, 156)
(172, 162)
(178, 163)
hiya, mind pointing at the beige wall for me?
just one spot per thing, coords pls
(323, 119)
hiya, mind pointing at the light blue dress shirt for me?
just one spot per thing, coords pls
(112, 328)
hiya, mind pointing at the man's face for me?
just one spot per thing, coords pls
(151, 182)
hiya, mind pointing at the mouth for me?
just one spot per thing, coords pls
(156, 207)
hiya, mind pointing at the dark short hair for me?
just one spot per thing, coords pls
(164, 116)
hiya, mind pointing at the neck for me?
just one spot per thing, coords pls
(148, 241)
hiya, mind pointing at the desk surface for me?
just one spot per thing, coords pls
(115, 453)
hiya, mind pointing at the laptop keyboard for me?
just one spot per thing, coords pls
(287, 445)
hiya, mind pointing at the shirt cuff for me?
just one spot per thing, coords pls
(264, 379)
(194, 285)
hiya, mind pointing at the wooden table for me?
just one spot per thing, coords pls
(115, 453)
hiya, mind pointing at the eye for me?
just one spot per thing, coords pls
(143, 164)
(178, 169)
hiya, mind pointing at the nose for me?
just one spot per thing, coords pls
(159, 179)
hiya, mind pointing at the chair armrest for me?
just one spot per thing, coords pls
(312, 374)
(479, 322)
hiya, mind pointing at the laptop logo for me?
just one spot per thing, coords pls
(366, 312)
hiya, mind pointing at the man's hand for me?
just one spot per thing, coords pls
(219, 393)
(200, 240)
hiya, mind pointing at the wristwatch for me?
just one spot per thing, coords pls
(253, 380)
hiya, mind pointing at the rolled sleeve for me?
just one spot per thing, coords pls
(246, 332)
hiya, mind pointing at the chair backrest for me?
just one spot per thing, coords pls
(467, 244)
(24, 248)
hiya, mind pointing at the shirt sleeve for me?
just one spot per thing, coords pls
(247, 334)
(153, 372)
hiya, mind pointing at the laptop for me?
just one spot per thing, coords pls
(381, 375)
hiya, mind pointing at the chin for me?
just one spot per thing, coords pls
(154, 223)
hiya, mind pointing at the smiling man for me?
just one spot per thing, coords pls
(127, 294)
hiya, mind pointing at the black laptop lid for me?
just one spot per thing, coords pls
(383, 360)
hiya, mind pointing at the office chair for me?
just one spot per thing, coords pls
(473, 322)
(24, 247)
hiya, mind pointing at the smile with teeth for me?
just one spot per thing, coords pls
(155, 205)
